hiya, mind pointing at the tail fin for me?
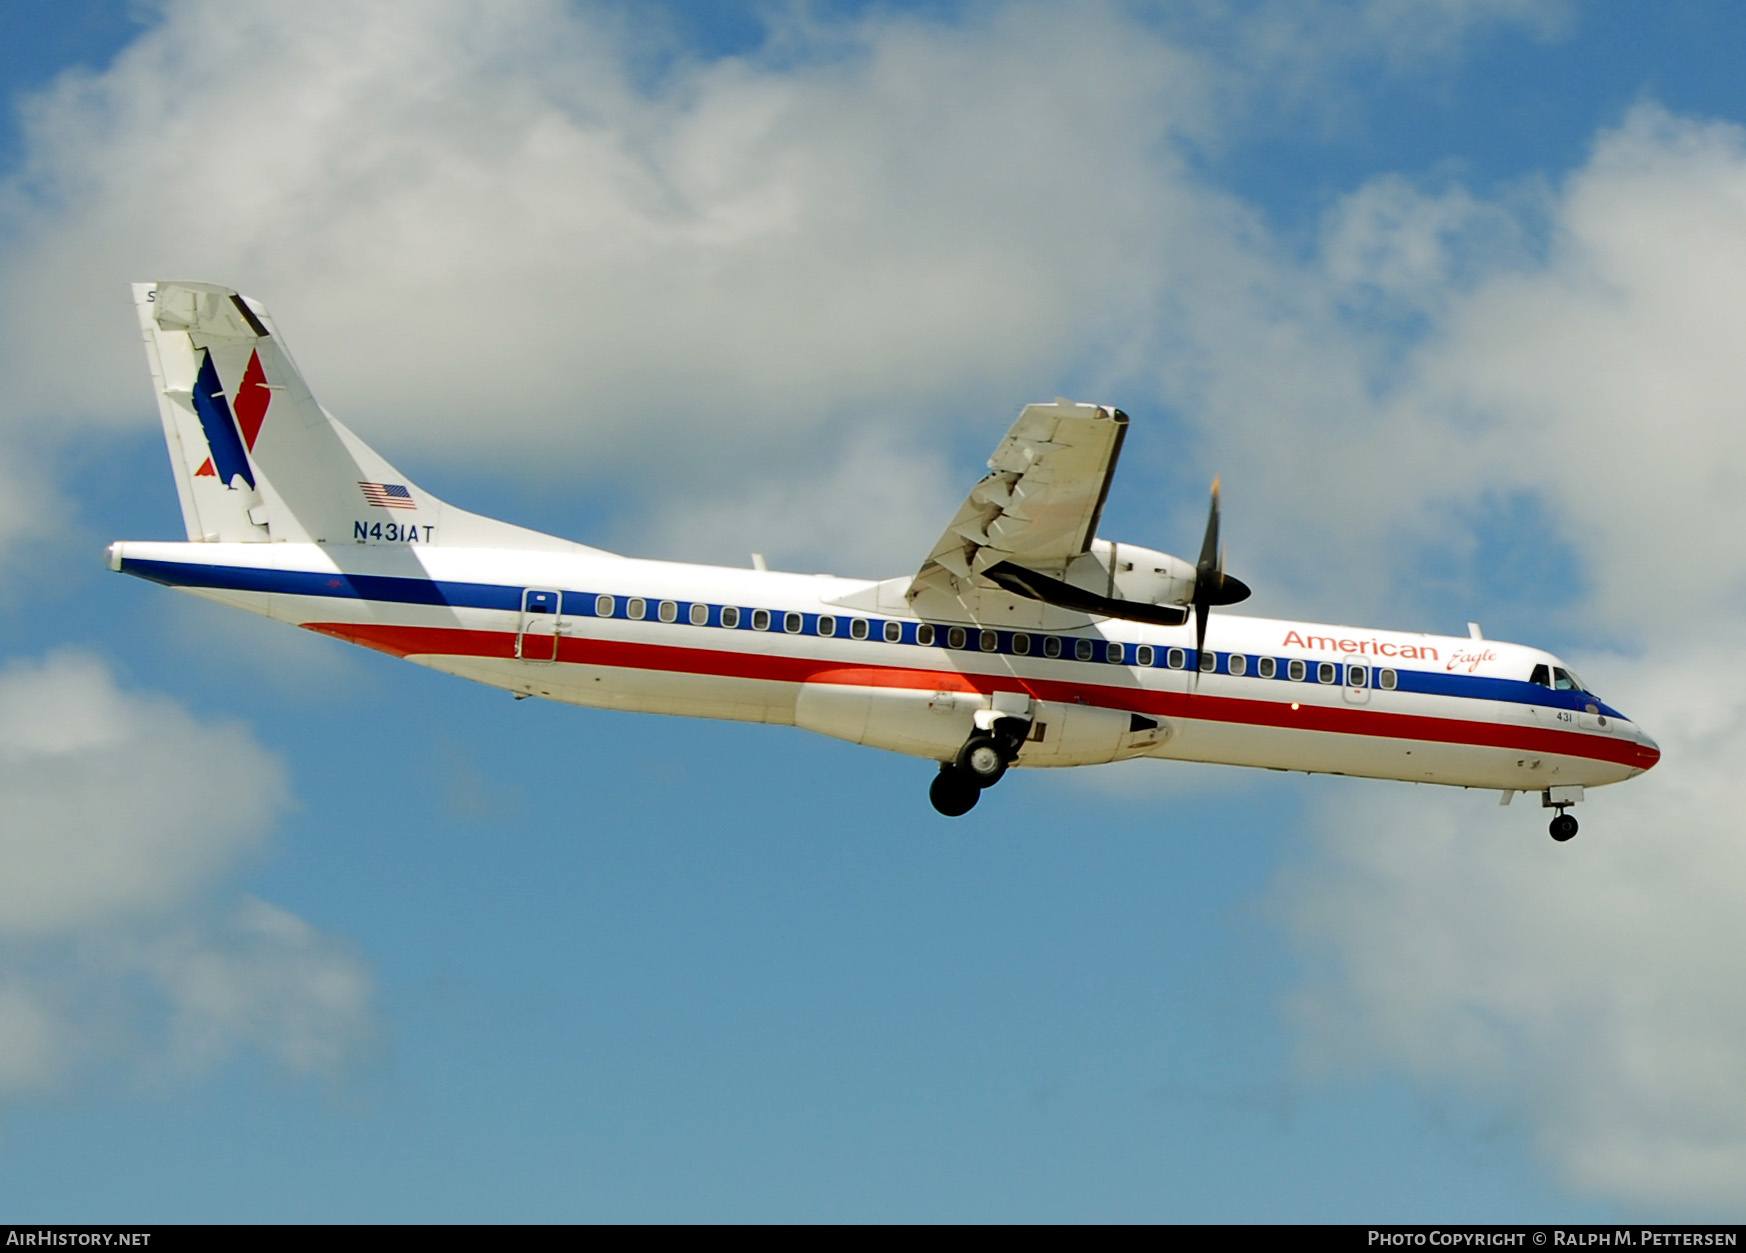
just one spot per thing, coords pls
(257, 459)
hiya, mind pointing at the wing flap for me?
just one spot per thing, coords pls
(1039, 505)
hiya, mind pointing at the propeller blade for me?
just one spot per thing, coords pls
(1212, 586)
(1210, 557)
(1200, 611)
(1208, 577)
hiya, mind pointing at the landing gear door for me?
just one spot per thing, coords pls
(536, 638)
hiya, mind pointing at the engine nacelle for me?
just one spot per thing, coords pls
(1129, 572)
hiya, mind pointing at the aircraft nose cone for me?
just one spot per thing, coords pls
(1648, 751)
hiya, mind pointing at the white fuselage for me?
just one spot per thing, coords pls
(849, 658)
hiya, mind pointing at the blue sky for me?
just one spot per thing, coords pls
(1447, 294)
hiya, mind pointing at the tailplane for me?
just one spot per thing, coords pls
(257, 459)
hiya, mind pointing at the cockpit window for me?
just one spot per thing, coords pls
(1542, 675)
(1564, 681)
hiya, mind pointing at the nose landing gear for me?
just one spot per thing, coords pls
(981, 763)
(1561, 798)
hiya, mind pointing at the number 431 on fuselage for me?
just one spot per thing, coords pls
(1021, 640)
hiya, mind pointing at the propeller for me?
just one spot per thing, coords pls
(1212, 586)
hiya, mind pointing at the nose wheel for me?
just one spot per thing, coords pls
(1561, 798)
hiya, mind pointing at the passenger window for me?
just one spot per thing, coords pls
(1209, 661)
(1267, 667)
(1177, 658)
(1021, 644)
(760, 619)
(858, 628)
(827, 625)
(1238, 664)
(1357, 676)
(1113, 653)
(730, 616)
(603, 606)
(1082, 649)
(1143, 655)
(668, 612)
(1324, 672)
(924, 635)
(635, 607)
(1385, 679)
(894, 632)
(990, 641)
(792, 623)
(699, 614)
(1542, 675)
(1051, 646)
(1294, 671)
(956, 637)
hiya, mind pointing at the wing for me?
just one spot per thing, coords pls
(1039, 505)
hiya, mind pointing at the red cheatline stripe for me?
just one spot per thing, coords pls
(406, 641)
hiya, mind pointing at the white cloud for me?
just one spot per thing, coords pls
(116, 805)
(265, 978)
(1610, 380)
(33, 1041)
(122, 814)
(32, 508)
(1590, 988)
(486, 235)
(1392, 242)
(1317, 62)
(482, 234)
(874, 509)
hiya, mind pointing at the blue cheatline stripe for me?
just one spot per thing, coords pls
(397, 589)
(392, 588)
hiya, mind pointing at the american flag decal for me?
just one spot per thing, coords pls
(388, 496)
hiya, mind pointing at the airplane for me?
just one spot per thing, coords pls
(1022, 640)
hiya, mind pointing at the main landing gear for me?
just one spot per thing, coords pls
(981, 763)
(953, 793)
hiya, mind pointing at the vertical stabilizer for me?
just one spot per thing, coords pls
(257, 459)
